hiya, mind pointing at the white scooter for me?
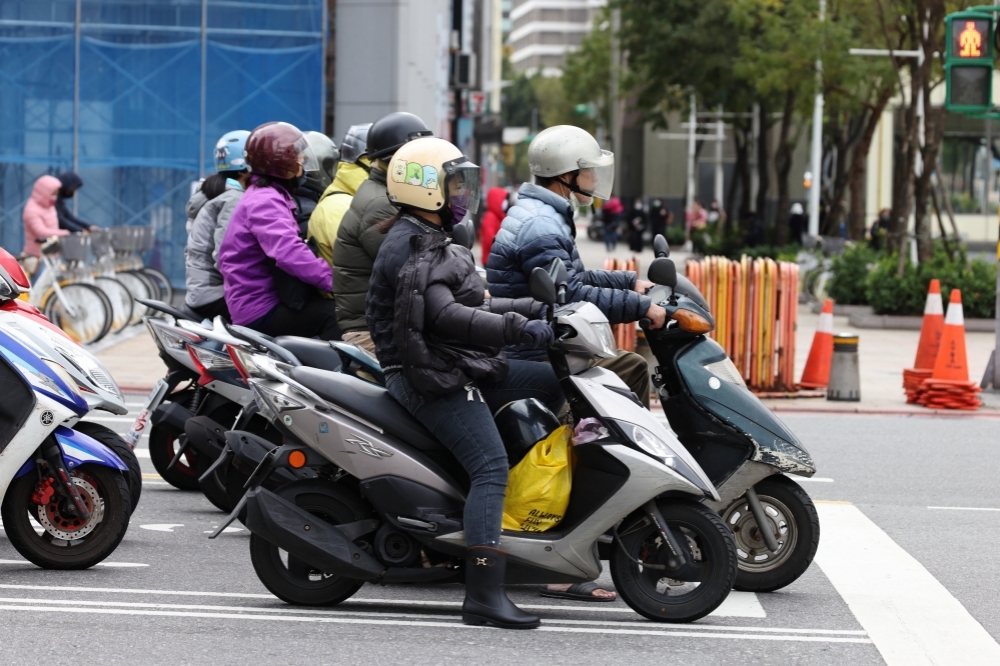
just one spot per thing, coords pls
(66, 500)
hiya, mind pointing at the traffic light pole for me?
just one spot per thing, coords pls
(817, 141)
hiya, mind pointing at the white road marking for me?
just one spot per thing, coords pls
(909, 615)
(689, 633)
(141, 453)
(344, 609)
(592, 608)
(154, 483)
(112, 419)
(962, 508)
(161, 527)
(810, 479)
(120, 565)
(228, 530)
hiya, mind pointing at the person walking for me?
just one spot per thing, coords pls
(798, 223)
(358, 240)
(439, 341)
(41, 221)
(612, 214)
(221, 193)
(637, 226)
(336, 200)
(696, 217)
(658, 215)
(70, 183)
(266, 267)
(496, 210)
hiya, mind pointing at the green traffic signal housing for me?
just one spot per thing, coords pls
(969, 61)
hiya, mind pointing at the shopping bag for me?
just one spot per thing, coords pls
(538, 487)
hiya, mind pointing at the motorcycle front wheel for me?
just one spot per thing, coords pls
(116, 443)
(699, 587)
(292, 580)
(50, 537)
(792, 518)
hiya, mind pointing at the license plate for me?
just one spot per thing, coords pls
(142, 422)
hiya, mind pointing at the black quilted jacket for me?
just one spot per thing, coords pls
(428, 316)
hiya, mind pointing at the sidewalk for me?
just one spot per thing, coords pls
(134, 363)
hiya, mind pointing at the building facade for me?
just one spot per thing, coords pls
(544, 31)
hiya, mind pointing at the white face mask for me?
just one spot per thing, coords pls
(580, 200)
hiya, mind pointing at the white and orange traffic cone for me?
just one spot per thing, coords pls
(949, 387)
(931, 330)
(816, 374)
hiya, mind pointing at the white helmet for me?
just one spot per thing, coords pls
(565, 149)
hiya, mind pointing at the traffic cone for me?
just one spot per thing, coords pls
(817, 371)
(949, 386)
(930, 340)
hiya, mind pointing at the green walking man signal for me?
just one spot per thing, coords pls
(969, 62)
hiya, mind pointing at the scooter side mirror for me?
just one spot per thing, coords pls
(560, 278)
(660, 246)
(464, 234)
(541, 287)
(663, 272)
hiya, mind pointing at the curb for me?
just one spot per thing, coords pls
(895, 322)
(135, 388)
(883, 411)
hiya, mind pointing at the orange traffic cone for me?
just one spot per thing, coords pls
(817, 371)
(949, 386)
(930, 340)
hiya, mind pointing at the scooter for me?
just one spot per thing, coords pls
(68, 483)
(743, 447)
(387, 506)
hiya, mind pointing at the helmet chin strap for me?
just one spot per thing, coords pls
(574, 188)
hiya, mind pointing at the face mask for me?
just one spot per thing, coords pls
(581, 200)
(504, 205)
(458, 211)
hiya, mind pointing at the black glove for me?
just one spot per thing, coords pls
(538, 334)
(539, 310)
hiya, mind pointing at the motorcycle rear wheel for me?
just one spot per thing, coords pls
(794, 523)
(653, 594)
(164, 441)
(63, 544)
(292, 580)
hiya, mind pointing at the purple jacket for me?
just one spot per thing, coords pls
(263, 228)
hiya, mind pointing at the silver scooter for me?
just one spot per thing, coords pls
(388, 504)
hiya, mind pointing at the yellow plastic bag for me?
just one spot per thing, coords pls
(538, 487)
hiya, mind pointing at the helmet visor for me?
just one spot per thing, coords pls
(464, 188)
(597, 176)
(305, 155)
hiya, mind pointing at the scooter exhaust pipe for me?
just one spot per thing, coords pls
(312, 540)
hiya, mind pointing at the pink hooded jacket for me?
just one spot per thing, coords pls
(40, 218)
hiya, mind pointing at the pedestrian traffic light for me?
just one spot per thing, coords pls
(969, 62)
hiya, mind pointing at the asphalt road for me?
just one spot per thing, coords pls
(895, 582)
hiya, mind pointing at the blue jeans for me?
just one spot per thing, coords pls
(463, 422)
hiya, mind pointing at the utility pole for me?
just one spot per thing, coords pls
(817, 140)
(692, 149)
(720, 136)
(755, 157)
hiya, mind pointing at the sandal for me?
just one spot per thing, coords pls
(578, 592)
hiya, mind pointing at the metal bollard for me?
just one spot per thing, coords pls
(845, 375)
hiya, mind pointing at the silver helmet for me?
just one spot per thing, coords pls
(327, 155)
(564, 149)
(355, 143)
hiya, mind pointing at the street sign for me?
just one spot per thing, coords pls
(475, 104)
(969, 62)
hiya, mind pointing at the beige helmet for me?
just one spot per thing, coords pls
(429, 173)
(565, 149)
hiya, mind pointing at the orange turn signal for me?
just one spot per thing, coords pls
(297, 459)
(692, 322)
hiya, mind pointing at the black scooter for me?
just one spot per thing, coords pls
(742, 446)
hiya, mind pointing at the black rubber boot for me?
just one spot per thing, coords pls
(486, 600)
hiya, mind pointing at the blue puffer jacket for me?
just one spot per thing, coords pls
(538, 229)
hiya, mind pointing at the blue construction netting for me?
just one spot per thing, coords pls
(133, 94)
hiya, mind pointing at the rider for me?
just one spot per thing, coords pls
(208, 228)
(351, 172)
(262, 250)
(569, 169)
(357, 239)
(309, 191)
(439, 341)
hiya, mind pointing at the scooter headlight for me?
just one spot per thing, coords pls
(657, 448)
(726, 371)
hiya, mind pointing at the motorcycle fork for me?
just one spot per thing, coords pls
(57, 469)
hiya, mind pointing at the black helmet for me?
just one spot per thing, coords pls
(522, 424)
(388, 133)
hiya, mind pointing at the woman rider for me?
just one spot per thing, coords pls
(266, 267)
(438, 339)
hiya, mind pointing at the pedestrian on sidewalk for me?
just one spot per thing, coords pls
(612, 214)
(41, 221)
(637, 226)
(71, 182)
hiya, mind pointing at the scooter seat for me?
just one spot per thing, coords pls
(311, 353)
(370, 402)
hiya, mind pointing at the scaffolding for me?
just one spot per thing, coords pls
(133, 94)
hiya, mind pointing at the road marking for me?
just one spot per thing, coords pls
(688, 633)
(141, 453)
(909, 615)
(113, 419)
(121, 565)
(155, 483)
(151, 477)
(161, 527)
(962, 508)
(810, 479)
(344, 609)
(593, 608)
(228, 530)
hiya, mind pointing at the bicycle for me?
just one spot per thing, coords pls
(82, 310)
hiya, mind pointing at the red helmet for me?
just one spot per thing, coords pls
(278, 149)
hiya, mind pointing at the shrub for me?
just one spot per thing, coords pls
(889, 294)
(849, 275)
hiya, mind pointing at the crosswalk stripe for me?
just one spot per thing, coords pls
(909, 615)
